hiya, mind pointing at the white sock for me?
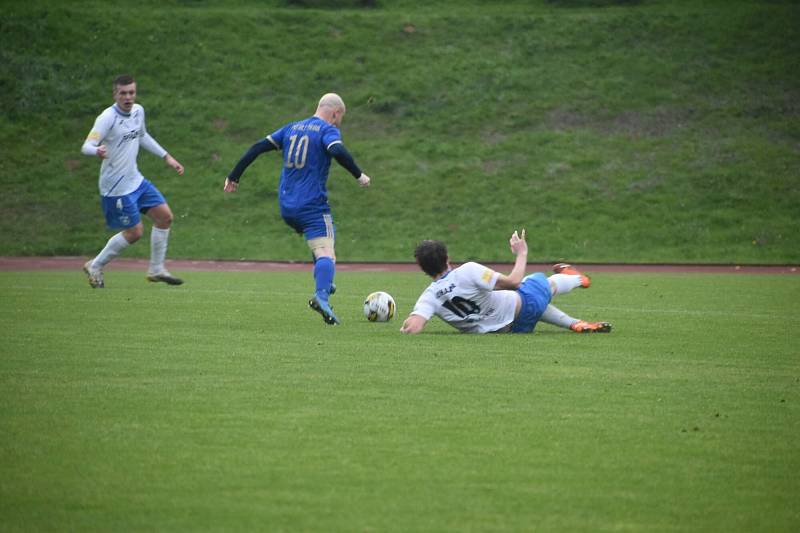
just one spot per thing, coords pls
(158, 249)
(565, 282)
(557, 317)
(113, 248)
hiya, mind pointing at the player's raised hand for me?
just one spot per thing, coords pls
(171, 161)
(230, 185)
(363, 180)
(518, 243)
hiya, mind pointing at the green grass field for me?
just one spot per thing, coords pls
(612, 130)
(226, 405)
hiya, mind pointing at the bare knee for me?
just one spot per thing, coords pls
(322, 247)
(133, 234)
(161, 215)
(164, 222)
(324, 252)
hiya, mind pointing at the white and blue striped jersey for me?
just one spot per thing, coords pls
(122, 134)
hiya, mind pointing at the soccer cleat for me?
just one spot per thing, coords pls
(95, 276)
(565, 268)
(590, 327)
(324, 309)
(166, 277)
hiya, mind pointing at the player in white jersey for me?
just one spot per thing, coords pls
(115, 138)
(476, 299)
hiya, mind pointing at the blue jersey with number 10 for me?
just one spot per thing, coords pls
(306, 163)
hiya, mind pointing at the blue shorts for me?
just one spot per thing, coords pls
(123, 211)
(536, 295)
(311, 223)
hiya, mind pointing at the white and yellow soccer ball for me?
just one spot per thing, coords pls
(379, 307)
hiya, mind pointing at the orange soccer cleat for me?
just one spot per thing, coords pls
(566, 268)
(590, 327)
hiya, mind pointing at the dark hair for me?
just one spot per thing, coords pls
(125, 79)
(431, 257)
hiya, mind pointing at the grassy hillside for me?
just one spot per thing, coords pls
(633, 131)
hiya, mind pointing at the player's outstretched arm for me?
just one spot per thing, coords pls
(232, 181)
(519, 247)
(413, 324)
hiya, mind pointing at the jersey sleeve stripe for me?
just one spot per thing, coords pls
(270, 139)
(331, 144)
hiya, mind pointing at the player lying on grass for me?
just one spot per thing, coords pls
(475, 299)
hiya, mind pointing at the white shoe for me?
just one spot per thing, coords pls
(95, 275)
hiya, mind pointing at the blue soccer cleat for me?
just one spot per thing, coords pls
(323, 308)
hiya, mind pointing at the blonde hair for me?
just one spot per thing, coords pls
(333, 101)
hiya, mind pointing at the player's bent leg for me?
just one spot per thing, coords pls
(322, 247)
(332, 290)
(324, 271)
(94, 268)
(324, 254)
(555, 316)
(133, 233)
(122, 213)
(162, 217)
(569, 270)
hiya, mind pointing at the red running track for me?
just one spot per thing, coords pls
(179, 265)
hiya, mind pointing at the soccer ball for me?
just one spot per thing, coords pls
(379, 307)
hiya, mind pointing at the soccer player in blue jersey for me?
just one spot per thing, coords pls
(115, 138)
(308, 146)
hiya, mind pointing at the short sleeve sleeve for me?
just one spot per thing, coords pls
(425, 306)
(482, 276)
(330, 136)
(277, 137)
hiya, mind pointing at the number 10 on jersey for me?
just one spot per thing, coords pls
(296, 156)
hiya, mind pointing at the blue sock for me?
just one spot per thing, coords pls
(324, 269)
